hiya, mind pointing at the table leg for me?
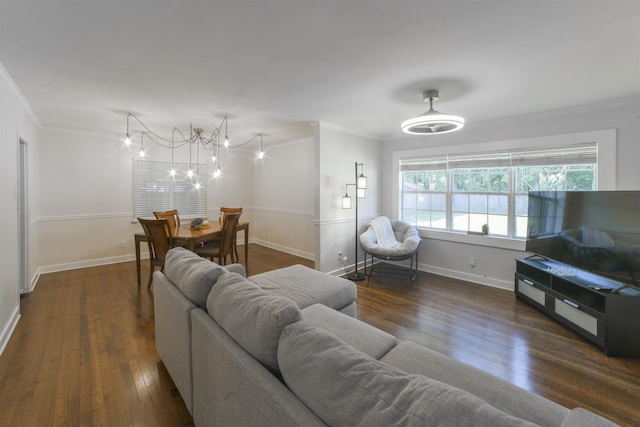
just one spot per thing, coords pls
(246, 247)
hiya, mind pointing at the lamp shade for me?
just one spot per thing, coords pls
(346, 202)
(362, 181)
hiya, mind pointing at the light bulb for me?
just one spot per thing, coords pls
(261, 154)
(213, 158)
(197, 186)
(142, 154)
(190, 173)
(127, 140)
(217, 173)
(172, 172)
(226, 141)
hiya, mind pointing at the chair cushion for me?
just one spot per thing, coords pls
(405, 233)
(193, 275)
(251, 316)
(346, 387)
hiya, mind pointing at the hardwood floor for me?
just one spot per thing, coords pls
(83, 352)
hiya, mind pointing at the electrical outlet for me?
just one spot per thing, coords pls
(340, 257)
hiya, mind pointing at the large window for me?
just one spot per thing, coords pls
(155, 189)
(472, 193)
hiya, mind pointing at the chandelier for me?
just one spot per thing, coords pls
(196, 140)
(432, 122)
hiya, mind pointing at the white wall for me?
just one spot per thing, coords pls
(495, 266)
(17, 120)
(85, 200)
(283, 208)
(337, 151)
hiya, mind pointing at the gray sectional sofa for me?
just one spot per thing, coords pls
(284, 348)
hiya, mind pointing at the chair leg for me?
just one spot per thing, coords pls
(151, 269)
(235, 250)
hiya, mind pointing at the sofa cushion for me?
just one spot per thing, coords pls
(344, 386)
(251, 316)
(416, 359)
(192, 274)
(306, 286)
(580, 417)
(360, 335)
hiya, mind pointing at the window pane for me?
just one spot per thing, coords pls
(423, 201)
(460, 203)
(478, 203)
(409, 181)
(439, 219)
(461, 180)
(499, 179)
(498, 224)
(409, 215)
(439, 202)
(498, 204)
(460, 221)
(409, 200)
(476, 221)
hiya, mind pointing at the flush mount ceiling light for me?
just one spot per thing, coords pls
(432, 122)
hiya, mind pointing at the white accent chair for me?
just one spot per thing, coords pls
(407, 247)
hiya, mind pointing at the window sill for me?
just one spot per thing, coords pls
(475, 239)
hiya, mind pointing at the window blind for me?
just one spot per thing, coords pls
(574, 154)
(154, 189)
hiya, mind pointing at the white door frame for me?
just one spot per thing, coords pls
(23, 216)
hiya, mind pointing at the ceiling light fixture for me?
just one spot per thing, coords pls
(432, 122)
(196, 140)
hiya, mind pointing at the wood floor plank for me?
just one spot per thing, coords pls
(83, 352)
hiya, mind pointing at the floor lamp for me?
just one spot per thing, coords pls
(361, 186)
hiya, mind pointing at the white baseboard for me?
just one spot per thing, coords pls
(9, 328)
(474, 278)
(87, 263)
(301, 254)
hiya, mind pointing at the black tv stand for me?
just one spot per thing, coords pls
(602, 310)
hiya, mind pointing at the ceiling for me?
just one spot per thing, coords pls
(273, 66)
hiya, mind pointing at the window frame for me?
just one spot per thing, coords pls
(606, 176)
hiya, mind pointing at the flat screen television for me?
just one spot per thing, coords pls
(596, 231)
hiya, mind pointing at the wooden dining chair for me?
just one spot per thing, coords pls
(172, 216)
(223, 212)
(223, 247)
(160, 239)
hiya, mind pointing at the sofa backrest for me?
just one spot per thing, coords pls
(194, 275)
(344, 386)
(252, 316)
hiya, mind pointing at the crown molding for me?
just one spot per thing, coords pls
(17, 95)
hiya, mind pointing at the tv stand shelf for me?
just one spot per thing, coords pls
(597, 308)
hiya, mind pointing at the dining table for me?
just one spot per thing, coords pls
(186, 235)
